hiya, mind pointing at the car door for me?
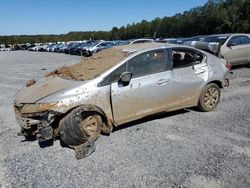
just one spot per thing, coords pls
(189, 75)
(245, 42)
(149, 91)
(235, 52)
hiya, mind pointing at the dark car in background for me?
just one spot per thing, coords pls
(71, 46)
(89, 50)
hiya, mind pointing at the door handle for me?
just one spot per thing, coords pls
(163, 81)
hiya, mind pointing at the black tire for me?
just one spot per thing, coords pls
(209, 98)
(248, 65)
(79, 127)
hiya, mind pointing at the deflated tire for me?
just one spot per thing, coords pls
(79, 127)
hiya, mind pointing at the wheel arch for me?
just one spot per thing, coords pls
(217, 82)
(107, 122)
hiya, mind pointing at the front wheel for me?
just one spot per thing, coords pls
(79, 127)
(209, 97)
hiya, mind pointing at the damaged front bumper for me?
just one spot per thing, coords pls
(38, 124)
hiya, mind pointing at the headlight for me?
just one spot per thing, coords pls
(36, 108)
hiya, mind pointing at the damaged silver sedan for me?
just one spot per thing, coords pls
(116, 86)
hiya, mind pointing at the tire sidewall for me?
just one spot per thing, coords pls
(71, 132)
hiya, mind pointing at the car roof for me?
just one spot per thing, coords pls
(219, 35)
(140, 46)
(227, 34)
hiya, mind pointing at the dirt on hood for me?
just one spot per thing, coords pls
(89, 68)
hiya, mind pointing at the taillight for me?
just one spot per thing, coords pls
(229, 66)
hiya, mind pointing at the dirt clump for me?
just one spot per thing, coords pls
(30, 83)
(92, 66)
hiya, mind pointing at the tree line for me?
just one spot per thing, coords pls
(216, 16)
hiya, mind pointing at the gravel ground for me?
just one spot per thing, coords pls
(185, 148)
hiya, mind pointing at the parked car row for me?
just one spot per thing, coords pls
(83, 48)
(235, 48)
(4, 47)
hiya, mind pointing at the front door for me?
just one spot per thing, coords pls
(143, 96)
(149, 90)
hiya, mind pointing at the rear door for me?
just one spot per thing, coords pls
(190, 72)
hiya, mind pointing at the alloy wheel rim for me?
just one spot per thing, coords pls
(89, 125)
(211, 98)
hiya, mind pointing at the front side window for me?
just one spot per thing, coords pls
(234, 41)
(115, 75)
(148, 63)
(143, 64)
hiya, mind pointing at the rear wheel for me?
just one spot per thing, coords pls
(209, 98)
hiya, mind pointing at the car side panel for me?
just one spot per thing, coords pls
(237, 54)
(143, 96)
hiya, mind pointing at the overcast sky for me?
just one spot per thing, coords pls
(60, 16)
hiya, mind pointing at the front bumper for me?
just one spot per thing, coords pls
(37, 125)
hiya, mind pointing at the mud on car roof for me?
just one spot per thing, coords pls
(93, 66)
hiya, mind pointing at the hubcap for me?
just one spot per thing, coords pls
(89, 125)
(211, 97)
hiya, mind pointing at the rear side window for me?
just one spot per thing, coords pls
(185, 57)
(245, 40)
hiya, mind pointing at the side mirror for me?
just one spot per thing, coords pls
(125, 78)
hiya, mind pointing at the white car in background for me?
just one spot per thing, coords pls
(5, 49)
(235, 48)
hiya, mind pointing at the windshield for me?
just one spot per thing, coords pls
(219, 39)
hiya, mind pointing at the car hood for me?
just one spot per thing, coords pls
(43, 88)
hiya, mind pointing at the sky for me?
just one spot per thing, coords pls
(31, 17)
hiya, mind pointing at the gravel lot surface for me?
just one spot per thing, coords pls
(179, 149)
